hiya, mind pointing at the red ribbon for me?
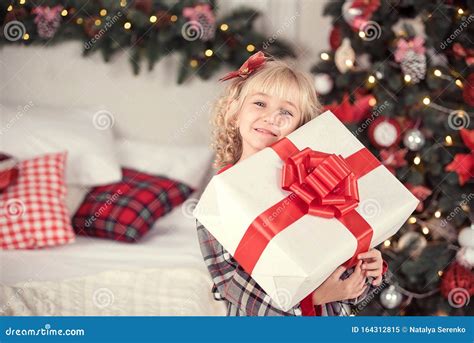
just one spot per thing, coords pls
(322, 185)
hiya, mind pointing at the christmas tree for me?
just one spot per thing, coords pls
(400, 75)
(143, 29)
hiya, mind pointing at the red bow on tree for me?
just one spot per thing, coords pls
(253, 63)
(421, 192)
(393, 158)
(463, 164)
(352, 113)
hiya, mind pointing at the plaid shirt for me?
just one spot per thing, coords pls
(244, 297)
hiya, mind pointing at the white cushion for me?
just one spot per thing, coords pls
(189, 164)
(29, 131)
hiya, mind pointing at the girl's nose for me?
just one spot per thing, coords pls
(271, 118)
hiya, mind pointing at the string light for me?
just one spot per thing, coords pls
(407, 78)
(26, 36)
(437, 72)
(417, 160)
(79, 21)
(437, 214)
(425, 230)
(449, 140)
(426, 100)
(459, 83)
(387, 243)
(9, 8)
(174, 18)
(372, 101)
(127, 25)
(250, 48)
(361, 34)
(103, 12)
(440, 272)
(411, 220)
(208, 52)
(97, 22)
(224, 27)
(349, 63)
(64, 12)
(22, 2)
(193, 63)
(371, 79)
(153, 19)
(123, 3)
(324, 56)
(460, 11)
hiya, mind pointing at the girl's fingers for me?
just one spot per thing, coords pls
(373, 253)
(358, 294)
(374, 273)
(370, 265)
(377, 281)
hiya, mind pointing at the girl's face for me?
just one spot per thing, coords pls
(264, 119)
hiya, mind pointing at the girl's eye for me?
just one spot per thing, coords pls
(259, 103)
(285, 112)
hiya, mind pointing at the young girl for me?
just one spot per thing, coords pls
(266, 101)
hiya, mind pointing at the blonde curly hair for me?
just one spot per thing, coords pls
(276, 78)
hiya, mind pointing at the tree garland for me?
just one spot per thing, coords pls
(143, 29)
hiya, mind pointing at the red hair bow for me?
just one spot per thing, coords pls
(253, 63)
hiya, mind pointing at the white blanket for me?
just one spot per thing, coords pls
(163, 274)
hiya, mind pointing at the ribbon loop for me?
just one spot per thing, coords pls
(323, 181)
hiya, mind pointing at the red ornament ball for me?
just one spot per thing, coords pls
(457, 285)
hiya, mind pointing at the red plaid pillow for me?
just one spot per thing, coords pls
(32, 210)
(126, 210)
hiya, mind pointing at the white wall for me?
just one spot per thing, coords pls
(150, 106)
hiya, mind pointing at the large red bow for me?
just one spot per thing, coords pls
(323, 181)
(253, 63)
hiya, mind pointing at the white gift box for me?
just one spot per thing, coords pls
(300, 257)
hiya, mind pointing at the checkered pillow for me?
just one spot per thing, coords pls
(126, 210)
(33, 213)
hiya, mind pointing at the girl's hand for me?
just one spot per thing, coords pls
(335, 289)
(372, 265)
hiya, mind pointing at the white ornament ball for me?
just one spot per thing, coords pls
(466, 237)
(414, 139)
(323, 83)
(390, 298)
(465, 257)
(385, 134)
